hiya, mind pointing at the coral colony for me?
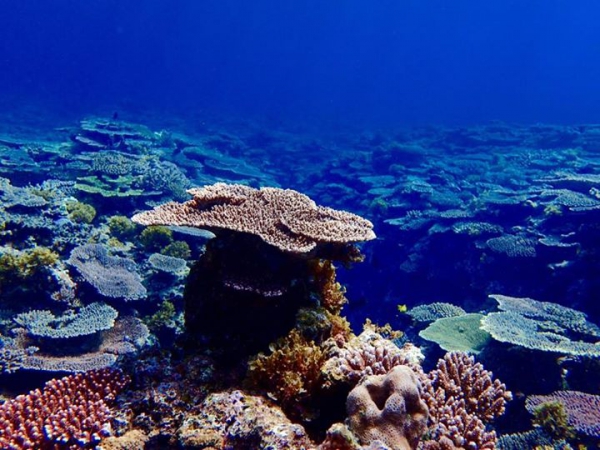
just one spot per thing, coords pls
(162, 292)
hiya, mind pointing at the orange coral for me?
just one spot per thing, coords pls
(290, 374)
(331, 292)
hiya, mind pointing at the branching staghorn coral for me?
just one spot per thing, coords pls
(462, 396)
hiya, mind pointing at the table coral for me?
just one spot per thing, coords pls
(283, 218)
(112, 276)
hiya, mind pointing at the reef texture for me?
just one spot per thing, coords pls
(583, 410)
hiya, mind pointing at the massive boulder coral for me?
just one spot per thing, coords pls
(388, 408)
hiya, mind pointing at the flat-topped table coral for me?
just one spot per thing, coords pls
(264, 265)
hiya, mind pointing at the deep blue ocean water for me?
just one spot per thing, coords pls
(467, 133)
(383, 62)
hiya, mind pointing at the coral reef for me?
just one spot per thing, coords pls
(434, 311)
(291, 373)
(88, 320)
(363, 355)
(542, 326)
(232, 419)
(80, 212)
(112, 276)
(458, 334)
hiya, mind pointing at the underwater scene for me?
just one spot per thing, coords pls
(299, 225)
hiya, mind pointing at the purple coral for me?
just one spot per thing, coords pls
(366, 354)
(462, 396)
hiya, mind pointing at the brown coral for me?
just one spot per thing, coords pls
(238, 420)
(291, 373)
(331, 292)
(283, 218)
(388, 408)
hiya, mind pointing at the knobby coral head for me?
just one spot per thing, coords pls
(283, 218)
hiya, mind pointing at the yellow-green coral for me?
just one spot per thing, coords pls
(80, 212)
(156, 237)
(553, 210)
(163, 316)
(25, 264)
(177, 249)
(553, 418)
(121, 227)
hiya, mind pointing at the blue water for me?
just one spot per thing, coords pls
(383, 62)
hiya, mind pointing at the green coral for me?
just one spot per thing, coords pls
(121, 227)
(109, 187)
(553, 418)
(177, 249)
(156, 237)
(80, 212)
(379, 207)
(458, 334)
(25, 264)
(163, 317)
(553, 210)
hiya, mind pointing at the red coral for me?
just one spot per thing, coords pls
(69, 413)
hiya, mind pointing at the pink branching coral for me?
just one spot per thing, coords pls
(462, 396)
(363, 355)
(68, 413)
